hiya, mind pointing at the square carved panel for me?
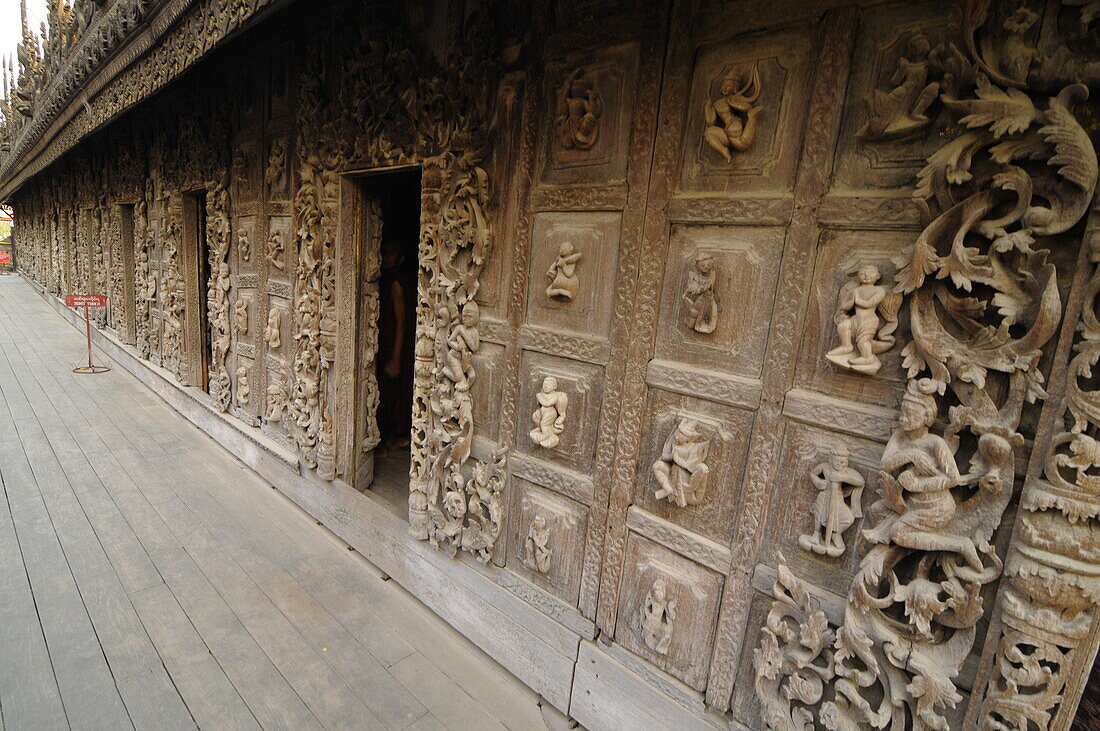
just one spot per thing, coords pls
(723, 435)
(840, 256)
(562, 530)
(892, 121)
(717, 298)
(590, 101)
(582, 383)
(799, 500)
(748, 101)
(589, 244)
(679, 641)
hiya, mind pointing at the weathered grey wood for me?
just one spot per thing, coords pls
(83, 676)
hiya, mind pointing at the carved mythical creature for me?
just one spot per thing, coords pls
(562, 274)
(863, 336)
(272, 331)
(537, 551)
(658, 614)
(578, 119)
(681, 471)
(549, 417)
(699, 295)
(902, 110)
(840, 488)
(730, 118)
(240, 316)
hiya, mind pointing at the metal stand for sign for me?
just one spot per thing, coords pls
(91, 367)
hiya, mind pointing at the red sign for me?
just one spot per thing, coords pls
(5, 257)
(86, 300)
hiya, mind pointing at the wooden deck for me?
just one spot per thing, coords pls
(148, 579)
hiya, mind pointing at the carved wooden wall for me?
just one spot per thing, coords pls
(681, 264)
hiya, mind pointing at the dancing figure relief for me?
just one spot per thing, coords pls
(866, 319)
(578, 117)
(731, 117)
(700, 299)
(562, 274)
(837, 506)
(549, 417)
(681, 471)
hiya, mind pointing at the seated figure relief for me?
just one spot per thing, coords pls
(865, 322)
(562, 274)
(549, 417)
(658, 614)
(731, 117)
(699, 295)
(578, 118)
(840, 488)
(681, 470)
(537, 551)
(901, 111)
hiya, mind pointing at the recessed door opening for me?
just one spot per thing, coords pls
(194, 212)
(390, 221)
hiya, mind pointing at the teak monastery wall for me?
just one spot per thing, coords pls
(754, 340)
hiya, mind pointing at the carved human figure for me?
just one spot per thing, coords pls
(730, 117)
(240, 316)
(926, 473)
(579, 113)
(271, 332)
(901, 111)
(276, 163)
(681, 472)
(276, 397)
(699, 295)
(658, 614)
(549, 417)
(244, 244)
(840, 488)
(562, 274)
(242, 385)
(537, 551)
(275, 249)
(462, 343)
(863, 335)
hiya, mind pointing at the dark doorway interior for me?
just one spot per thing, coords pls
(394, 197)
(195, 221)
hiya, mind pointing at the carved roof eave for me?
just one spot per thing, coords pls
(49, 136)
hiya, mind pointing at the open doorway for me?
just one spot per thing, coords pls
(390, 224)
(194, 231)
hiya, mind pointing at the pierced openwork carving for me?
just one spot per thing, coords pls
(794, 660)
(840, 489)
(538, 553)
(658, 615)
(578, 118)
(549, 417)
(731, 117)
(562, 274)
(681, 470)
(699, 296)
(866, 319)
(984, 302)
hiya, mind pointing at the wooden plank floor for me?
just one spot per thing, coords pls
(148, 579)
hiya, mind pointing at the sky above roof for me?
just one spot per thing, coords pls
(10, 29)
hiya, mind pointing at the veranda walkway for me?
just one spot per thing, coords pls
(149, 579)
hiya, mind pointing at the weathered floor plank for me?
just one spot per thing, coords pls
(193, 594)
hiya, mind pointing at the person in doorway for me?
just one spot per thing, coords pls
(396, 319)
